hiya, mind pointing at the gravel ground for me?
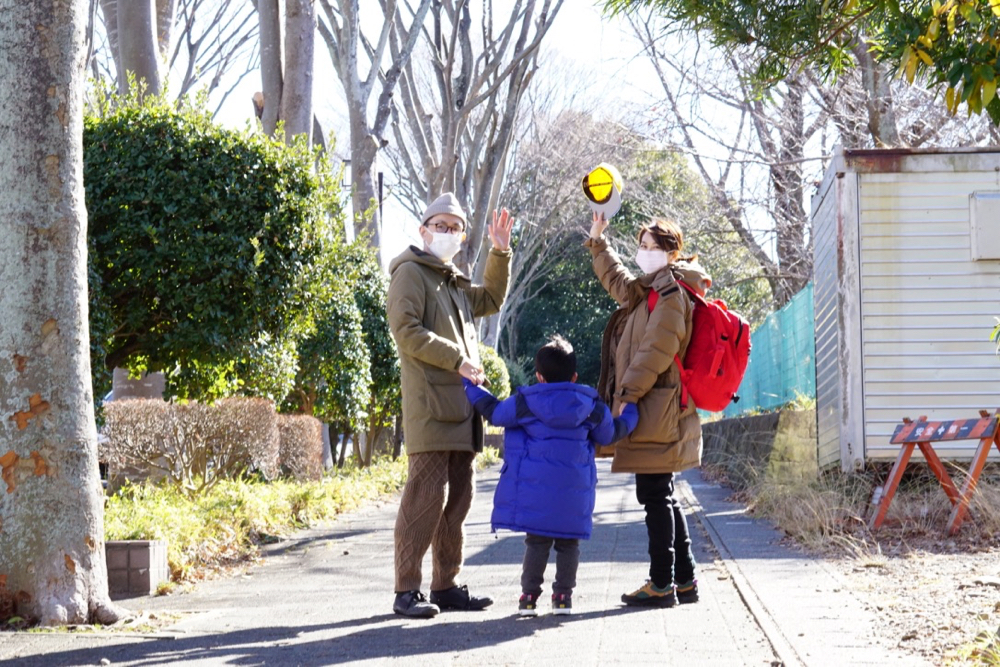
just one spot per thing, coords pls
(933, 597)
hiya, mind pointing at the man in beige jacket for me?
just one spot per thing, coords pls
(431, 307)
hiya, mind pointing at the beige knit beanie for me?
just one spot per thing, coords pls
(446, 203)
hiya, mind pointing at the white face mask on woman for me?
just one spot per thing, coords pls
(651, 261)
(445, 246)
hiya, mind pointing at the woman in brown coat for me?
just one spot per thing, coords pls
(642, 338)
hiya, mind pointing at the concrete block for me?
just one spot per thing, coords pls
(136, 567)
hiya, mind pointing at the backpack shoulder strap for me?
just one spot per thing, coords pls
(677, 357)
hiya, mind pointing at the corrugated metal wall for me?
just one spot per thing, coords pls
(926, 308)
(826, 306)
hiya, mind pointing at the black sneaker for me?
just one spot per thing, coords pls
(414, 605)
(562, 604)
(687, 593)
(457, 597)
(528, 605)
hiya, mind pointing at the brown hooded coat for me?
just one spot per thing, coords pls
(637, 363)
(431, 308)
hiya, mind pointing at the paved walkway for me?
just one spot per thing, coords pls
(325, 598)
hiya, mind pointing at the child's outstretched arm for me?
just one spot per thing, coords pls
(496, 412)
(614, 429)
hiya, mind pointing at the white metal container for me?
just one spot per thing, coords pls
(907, 285)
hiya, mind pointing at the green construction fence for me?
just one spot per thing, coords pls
(782, 364)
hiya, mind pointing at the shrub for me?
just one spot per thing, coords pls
(301, 446)
(370, 287)
(226, 524)
(519, 377)
(202, 242)
(193, 445)
(496, 371)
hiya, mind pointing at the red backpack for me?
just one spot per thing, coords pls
(717, 354)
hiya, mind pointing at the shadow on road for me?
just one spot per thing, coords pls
(382, 636)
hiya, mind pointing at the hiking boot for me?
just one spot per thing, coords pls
(414, 605)
(650, 595)
(528, 605)
(562, 604)
(457, 597)
(687, 593)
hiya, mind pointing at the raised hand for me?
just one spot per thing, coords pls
(500, 229)
(598, 225)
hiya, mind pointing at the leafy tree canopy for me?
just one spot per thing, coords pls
(202, 246)
(953, 43)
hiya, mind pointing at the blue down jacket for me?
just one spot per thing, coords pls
(548, 479)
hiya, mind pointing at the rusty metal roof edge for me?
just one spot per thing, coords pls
(877, 152)
(893, 160)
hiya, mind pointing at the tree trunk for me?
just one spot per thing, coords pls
(137, 42)
(359, 457)
(341, 32)
(877, 82)
(397, 438)
(52, 512)
(270, 62)
(296, 92)
(364, 197)
(109, 8)
(332, 434)
(164, 26)
(343, 448)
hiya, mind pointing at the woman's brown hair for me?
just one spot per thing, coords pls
(668, 236)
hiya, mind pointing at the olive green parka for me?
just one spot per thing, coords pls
(637, 362)
(431, 308)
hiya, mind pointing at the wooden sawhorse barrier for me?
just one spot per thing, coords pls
(922, 433)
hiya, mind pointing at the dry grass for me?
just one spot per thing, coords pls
(829, 516)
(819, 514)
(983, 650)
(835, 508)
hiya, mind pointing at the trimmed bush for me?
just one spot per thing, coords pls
(496, 371)
(203, 246)
(193, 445)
(301, 446)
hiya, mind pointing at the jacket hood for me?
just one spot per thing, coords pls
(694, 275)
(560, 404)
(418, 256)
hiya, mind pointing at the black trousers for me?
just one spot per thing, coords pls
(670, 557)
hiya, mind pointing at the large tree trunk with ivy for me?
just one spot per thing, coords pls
(51, 508)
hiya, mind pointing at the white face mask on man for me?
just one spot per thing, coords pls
(445, 246)
(651, 261)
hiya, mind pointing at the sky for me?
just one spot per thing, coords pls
(579, 34)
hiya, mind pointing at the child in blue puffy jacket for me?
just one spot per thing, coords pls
(548, 480)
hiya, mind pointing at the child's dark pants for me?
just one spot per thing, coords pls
(670, 557)
(536, 557)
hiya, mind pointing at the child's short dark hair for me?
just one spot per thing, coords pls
(555, 361)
